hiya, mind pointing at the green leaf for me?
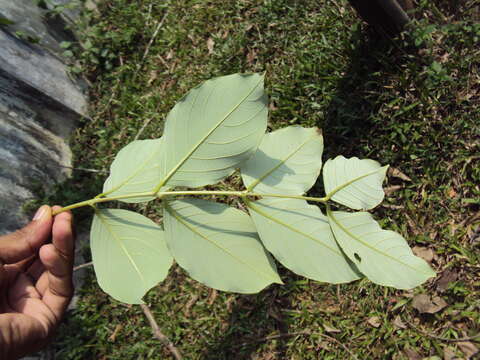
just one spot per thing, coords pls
(383, 256)
(4, 21)
(353, 182)
(136, 168)
(213, 129)
(218, 246)
(129, 254)
(288, 161)
(299, 236)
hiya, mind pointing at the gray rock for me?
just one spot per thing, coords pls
(31, 157)
(40, 105)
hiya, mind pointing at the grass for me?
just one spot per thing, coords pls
(412, 103)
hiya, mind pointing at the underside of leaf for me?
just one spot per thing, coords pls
(288, 161)
(353, 182)
(213, 129)
(218, 246)
(129, 254)
(137, 168)
(383, 256)
(299, 236)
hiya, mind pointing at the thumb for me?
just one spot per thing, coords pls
(26, 241)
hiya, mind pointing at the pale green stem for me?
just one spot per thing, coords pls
(96, 200)
(162, 194)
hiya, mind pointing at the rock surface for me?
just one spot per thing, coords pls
(40, 105)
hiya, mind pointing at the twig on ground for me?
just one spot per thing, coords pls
(82, 169)
(145, 124)
(158, 334)
(78, 267)
(440, 338)
(152, 39)
(279, 336)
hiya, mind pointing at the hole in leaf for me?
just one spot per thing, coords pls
(357, 257)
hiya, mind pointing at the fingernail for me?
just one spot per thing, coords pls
(40, 212)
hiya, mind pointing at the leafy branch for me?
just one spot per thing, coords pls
(216, 129)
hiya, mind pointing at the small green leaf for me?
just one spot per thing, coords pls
(218, 246)
(4, 21)
(213, 129)
(288, 161)
(129, 254)
(65, 44)
(299, 236)
(136, 168)
(353, 182)
(382, 255)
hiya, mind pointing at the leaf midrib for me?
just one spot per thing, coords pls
(202, 140)
(114, 235)
(256, 209)
(346, 231)
(283, 161)
(179, 219)
(350, 182)
(134, 174)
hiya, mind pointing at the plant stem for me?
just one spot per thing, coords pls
(96, 200)
(241, 194)
(162, 194)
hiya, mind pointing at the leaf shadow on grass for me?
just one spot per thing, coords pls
(352, 114)
(254, 322)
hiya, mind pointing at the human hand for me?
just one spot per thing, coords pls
(35, 282)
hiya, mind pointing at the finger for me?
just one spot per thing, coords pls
(26, 241)
(62, 234)
(58, 261)
(59, 291)
(22, 289)
(36, 269)
(42, 284)
(3, 281)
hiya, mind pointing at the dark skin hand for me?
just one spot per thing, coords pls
(35, 282)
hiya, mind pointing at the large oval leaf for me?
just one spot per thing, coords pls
(129, 254)
(288, 161)
(213, 129)
(299, 236)
(218, 246)
(353, 182)
(382, 255)
(137, 168)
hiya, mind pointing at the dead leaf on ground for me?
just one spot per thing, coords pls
(212, 296)
(210, 45)
(452, 193)
(447, 277)
(92, 6)
(398, 323)
(426, 304)
(331, 329)
(425, 253)
(391, 189)
(412, 354)
(251, 56)
(448, 354)
(153, 76)
(189, 305)
(374, 321)
(115, 333)
(468, 348)
(169, 55)
(393, 172)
